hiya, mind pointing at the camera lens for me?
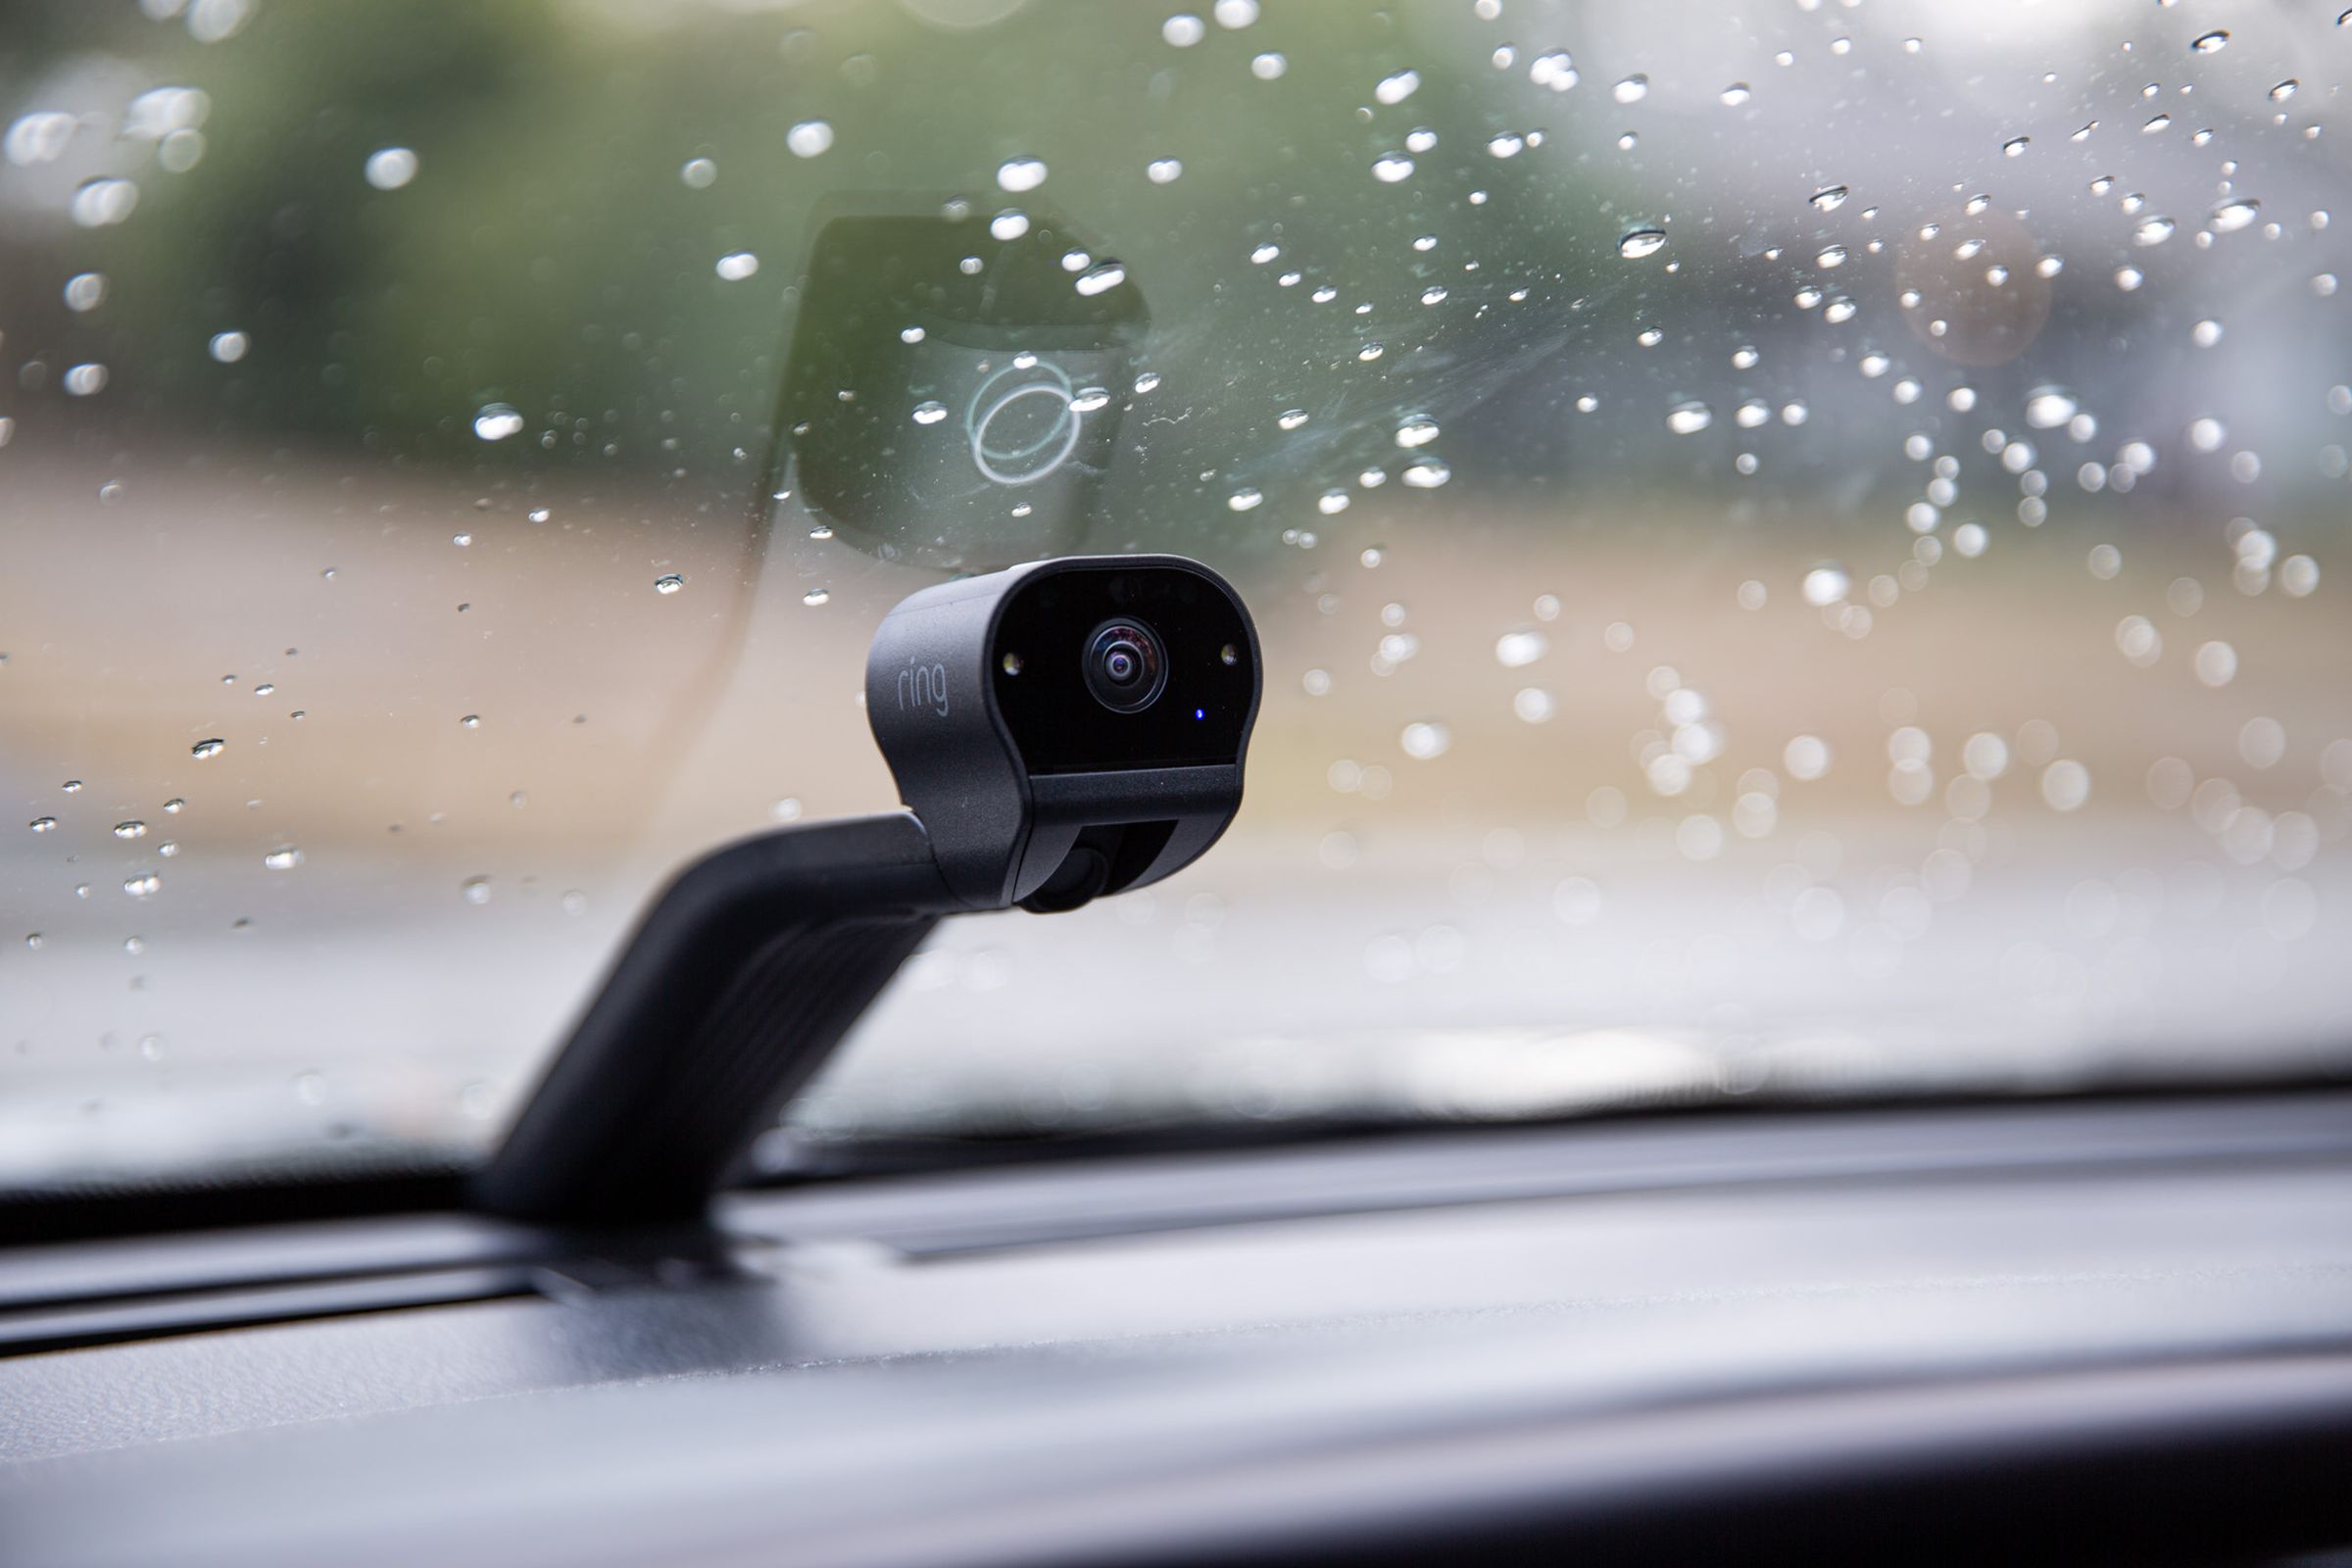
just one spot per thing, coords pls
(1126, 666)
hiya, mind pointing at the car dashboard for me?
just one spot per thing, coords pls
(2082, 1331)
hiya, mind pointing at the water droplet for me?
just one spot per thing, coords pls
(204, 748)
(930, 411)
(86, 380)
(1825, 585)
(1369, 352)
(2049, 407)
(1163, 170)
(1331, 502)
(1183, 31)
(1268, 67)
(494, 422)
(2016, 146)
(2152, 231)
(1391, 168)
(143, 886)
(1017, 174)
(1632, 90)
(131, 830)
(2217, 664)
(1422, 741)
(285, 858)
(85, 291)
(2065, 785)
(1832, 256)
(1425, 475)
(1829, 198)
(43, 824)
(2159, 122)
(1556, 68)
(474, 890)
(1147, 382)
(390, 168)
(1416, 431)
(1806, 758)
(1008, 225)
(1397, 89)
(736, 265)
(2285, 90)
(809, 139)
(2209, 43)
(699, 173)
(1515, 650)
(2230, 217)
(1738, 94)
(1640, 242)
(1235, 13)
(1689, 419)
(98, 203)
(228, 347)
(817, 595)
(1507, 145)
(669, 583)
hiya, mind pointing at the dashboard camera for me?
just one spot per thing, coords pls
(955, 381)
(1069, 728)
(1058, 731)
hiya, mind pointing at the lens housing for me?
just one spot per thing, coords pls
(1126, 666)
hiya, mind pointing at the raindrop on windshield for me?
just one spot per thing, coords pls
(496, 421)
(2230, 217)
(1689, 419)
(1017, 174)
(390, 168)
(1825, 585)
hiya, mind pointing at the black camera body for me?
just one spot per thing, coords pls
(1059, 731)
(1068, 728)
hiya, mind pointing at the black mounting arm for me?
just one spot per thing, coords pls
(1064, 730)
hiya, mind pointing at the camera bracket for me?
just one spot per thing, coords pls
(748, 971)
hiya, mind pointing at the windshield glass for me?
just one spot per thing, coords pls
(1796, 554)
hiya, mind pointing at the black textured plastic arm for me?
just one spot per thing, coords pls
(735, 988)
